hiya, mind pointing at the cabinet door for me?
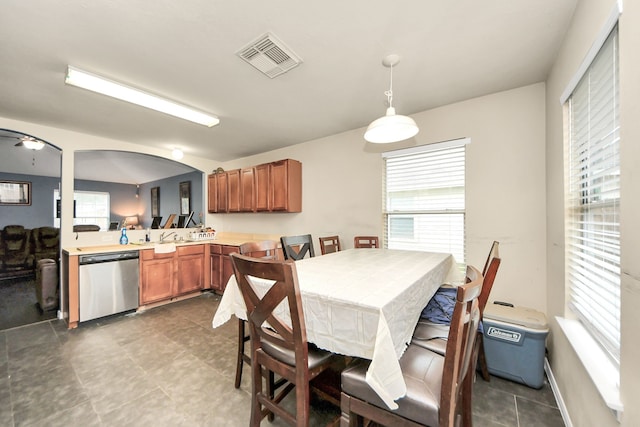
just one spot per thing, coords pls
(227, 267)
(279, 186)
(212, 193)
(223, 192)
(156, 279)
(286, 186)
(216, 268)
(233, 186)
(262, 187)
(247, 190)
(190, 269)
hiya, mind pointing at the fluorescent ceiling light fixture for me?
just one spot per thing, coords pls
(92, 82)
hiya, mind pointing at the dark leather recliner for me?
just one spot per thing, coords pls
(16, 247)
(46, 243)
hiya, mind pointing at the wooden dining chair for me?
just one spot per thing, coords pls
(266, 249)
(366, 242)
(439, 391)
(297, 247)
(278, 346)
(432, 336)
(329, 244)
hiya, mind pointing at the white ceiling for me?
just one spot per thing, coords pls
(185, 50)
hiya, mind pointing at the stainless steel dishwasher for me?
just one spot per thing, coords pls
(108, 284)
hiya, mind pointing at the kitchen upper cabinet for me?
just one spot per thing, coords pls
(233, 190)
(270, 187)
(262, 187)
(222, 192)
(286, 186)
(247, 190)
(212, 193)
(218, 192)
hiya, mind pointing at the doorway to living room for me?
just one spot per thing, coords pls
(29, 242)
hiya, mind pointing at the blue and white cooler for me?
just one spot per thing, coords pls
(514, 343)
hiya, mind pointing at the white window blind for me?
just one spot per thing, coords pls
(424, 205)
(592, 229)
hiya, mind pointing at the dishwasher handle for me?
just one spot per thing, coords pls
(107, 257)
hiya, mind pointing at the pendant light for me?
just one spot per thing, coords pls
(391, 127)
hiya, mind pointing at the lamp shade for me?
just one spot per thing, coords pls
(391, 128)
(131, 221)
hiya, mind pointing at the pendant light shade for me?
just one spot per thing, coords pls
(391, 127)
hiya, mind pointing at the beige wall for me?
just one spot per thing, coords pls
(630, 209)
(342, 188)
(583, 402)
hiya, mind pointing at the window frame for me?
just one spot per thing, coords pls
(455, 208)
(592, 207)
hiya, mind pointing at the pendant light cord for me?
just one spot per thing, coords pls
(389, 92)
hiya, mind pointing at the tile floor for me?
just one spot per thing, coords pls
(18, 304)
(168, 367)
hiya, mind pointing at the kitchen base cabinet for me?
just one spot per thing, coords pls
(221, 267)
(190, 269)
(157, 276)
(167, 275)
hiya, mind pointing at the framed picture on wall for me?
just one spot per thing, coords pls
(15, 193)
(185, 198)
(155, 201)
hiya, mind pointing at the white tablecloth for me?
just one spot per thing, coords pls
(362, 302)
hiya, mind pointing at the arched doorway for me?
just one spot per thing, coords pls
(30, 172)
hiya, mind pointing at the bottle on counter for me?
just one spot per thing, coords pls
(123, 237)
(147, 236)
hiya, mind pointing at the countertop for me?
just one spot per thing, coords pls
(230, 239)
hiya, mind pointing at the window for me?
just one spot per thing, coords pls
(424, 205)
(90, 207)
(592, 228)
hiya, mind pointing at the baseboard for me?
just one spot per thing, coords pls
(556, 392)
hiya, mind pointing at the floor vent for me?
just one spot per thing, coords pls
(269, 55)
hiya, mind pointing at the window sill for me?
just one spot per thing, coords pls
(603, 372)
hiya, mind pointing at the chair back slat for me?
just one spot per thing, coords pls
(297, 247)
(329, 244)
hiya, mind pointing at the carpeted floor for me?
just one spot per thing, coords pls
(18, 305)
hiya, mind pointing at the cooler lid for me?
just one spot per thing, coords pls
(523, 316)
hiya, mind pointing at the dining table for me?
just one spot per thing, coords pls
(361, 302)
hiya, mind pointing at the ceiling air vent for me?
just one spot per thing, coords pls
(269, 55)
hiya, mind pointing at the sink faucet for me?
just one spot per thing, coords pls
(164, 236)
